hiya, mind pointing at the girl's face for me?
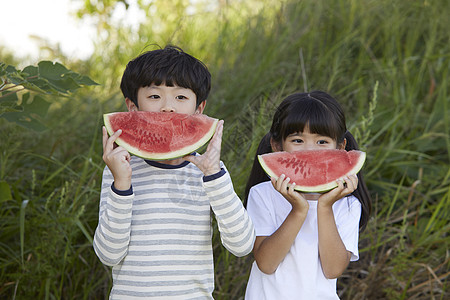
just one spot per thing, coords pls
(309, 141)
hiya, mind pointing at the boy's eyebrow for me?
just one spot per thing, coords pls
(177, 87)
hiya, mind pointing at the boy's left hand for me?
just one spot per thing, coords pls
(209, 162)
(345, 187)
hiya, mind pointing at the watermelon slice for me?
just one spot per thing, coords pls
(160, 136)
(313, 170)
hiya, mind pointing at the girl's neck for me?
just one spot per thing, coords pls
(311, 196)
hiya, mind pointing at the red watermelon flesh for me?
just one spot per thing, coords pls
(160, 136)
(313, 170)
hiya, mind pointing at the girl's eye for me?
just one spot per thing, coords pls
(298, 141)
(322, 142)
(181, 97)
(153, 97)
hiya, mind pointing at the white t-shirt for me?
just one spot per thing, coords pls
(299, 275)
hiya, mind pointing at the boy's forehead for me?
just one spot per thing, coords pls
(164, 86)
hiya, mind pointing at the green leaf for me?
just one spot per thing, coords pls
(47, 78)
(8, 102)
(39, 106)
(22, 228)
(85, 80)
(50, 70)
(5, 191)
(31, 71)
(8, 96)
(31, 113)
(60, 78)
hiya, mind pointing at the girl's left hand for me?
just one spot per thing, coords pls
(345, 187)
(209, 162)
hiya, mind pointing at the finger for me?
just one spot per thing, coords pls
(191, 158)
(285, 185)
(339, 190)
(350, 184)
(281, 185)
(118, 152)
(105, 137)
(219, 129)
(291, 188)
(110, 142)
(276, 182)
(354, 181)
(216, 140)
(279, 181)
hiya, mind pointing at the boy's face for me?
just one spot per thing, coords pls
(162, 98)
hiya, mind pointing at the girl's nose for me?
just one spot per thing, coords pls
(310, 146)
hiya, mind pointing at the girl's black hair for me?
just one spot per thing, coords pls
(170, 66)
(323, 115)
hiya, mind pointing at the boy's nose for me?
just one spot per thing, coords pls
(167, 107)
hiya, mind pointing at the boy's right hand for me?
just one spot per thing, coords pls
(117, 159)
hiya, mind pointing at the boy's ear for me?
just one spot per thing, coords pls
(130, 105)
(275, 146)
(200, 108)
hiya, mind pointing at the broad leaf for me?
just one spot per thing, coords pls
(47, 78)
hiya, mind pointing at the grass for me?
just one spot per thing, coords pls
(387, 62)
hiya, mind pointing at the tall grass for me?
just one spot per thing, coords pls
(387, 62)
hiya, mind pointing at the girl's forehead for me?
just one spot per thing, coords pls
(305, 132)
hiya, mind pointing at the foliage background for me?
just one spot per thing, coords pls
(387, 62)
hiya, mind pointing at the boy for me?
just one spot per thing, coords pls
(155, 217)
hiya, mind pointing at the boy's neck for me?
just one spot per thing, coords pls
(173, 162)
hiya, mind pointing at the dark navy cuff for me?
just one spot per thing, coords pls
(214, 176)
(128, 192)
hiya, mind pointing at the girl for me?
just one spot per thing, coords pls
(304, 240)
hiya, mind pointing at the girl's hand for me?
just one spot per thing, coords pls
(296, 199)
(117, 159)
(345, 187)
(209, 162)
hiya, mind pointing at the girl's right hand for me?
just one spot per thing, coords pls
(296, 199)
(117, 159)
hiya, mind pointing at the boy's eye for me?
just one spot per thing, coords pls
(322, 142)
(181, 97)
(154, 97)
(298, 141)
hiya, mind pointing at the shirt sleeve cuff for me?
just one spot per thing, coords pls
(214, 176)
(122, 192)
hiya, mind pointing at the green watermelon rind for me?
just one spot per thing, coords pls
(321, 188)
(166, 155)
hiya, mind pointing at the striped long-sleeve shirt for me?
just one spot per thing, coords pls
(157, 235)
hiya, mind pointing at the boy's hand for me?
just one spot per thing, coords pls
(117, 159)
(345, 187)
(209, 162)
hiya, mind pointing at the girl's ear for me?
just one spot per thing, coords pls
(130, 105)
(276, 147)
(342, 145)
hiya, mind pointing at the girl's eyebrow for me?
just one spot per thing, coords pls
(294, 134)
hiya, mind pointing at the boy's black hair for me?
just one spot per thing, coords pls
(170, 66)
(323, 115)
